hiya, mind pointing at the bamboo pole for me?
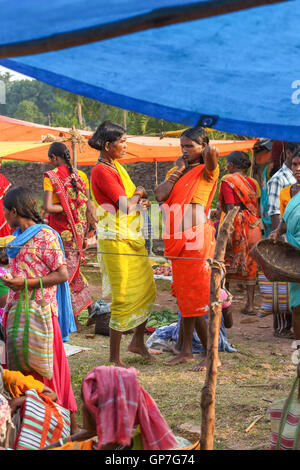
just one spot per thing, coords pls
(154, 19)
(214, 322)
(74, 149)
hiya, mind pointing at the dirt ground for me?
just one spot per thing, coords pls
(248, 381)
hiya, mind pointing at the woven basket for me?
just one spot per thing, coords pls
(279, 261)
(102, 324)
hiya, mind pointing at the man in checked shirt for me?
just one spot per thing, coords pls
(282, 178)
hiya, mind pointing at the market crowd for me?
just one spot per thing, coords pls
(42, 290)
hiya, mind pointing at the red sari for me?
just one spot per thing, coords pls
(4, 186)
(71, 225)
(191, 278)
(246, 232)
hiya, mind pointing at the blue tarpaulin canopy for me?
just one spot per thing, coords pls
(237, 72)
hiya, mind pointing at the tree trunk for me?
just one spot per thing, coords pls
(214, 322)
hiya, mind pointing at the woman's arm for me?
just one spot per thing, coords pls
(278, 232)
(163, 190)
(49, 393)
(54, 278)
(128, 205)
(48, 204)
(210, 156)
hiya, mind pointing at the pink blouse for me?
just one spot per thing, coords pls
(36, 259)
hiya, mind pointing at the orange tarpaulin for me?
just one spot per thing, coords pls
(138, 148)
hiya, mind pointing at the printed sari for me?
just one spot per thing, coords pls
(126, 270)
(4, 186)
(246, 230)
(291, 216)
(191, 278)
(71, 225)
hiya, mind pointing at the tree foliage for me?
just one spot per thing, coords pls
(31, 100)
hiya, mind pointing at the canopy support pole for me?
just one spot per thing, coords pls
(214, 323)
(74, 150)
(154, 19)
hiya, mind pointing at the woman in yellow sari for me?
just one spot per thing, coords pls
(120, 242)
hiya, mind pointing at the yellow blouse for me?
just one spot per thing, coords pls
(48, 185)
(285, 197)
(205, 185)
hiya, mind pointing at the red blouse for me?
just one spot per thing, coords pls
(107, 186)
(229, 196)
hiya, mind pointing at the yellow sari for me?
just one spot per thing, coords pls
(129, 278)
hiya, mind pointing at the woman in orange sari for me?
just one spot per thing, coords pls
(238, 189)
(66, 199)
(187, 194)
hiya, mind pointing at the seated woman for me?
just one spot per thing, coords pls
(113, 404)
(13, 385)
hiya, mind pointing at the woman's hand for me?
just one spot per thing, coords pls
(141, 191)
(181, 163)
(14, 283)
(16, 403)
(210, 150)
(144, 203)
(275, 236)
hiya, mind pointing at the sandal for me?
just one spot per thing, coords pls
(246, 312)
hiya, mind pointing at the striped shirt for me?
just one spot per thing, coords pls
(282, 178)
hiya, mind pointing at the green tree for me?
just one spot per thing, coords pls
(28, 111)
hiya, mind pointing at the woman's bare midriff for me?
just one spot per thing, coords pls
(194, 215)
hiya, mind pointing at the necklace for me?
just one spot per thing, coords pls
(100, 160)
(194, 164)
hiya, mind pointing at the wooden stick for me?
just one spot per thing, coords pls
(214, 322)
(74, 150)
(154, 19)
(254, 423)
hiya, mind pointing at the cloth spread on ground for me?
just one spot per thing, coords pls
(117, 402)
(166, 338)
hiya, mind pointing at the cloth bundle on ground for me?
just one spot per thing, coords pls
(118, 402)
(285, 422)
(166, 337)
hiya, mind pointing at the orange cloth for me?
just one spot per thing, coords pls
(206, 183)
(246, 232)
(285, 197)
(16, 383)
(191, 278)
(84, 445)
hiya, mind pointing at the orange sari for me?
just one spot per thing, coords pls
(246, 231)
(191, 278)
